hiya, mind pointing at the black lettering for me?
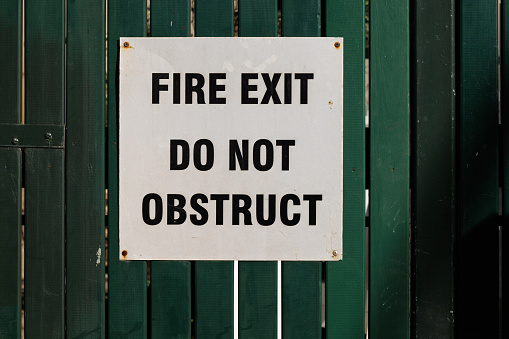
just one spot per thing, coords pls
(269, 155)
(312, 198)
(176, 208)
(260, 213)
(175, 144)
(197, 88)
(246, 88)
(145, 209)
(242, 156)
(304, 77)
(219, 198)
(209, 161)
(214, 88)
(270, 85)
(200, 209)
(157, 87)
(288, 88)
(285, 149)
(244, 209)
(176, 88)
(284, 210)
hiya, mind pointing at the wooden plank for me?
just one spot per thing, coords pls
(214, 280)
(44, 62)
(390, 170)
(434, 168)
(170, 282)
(504, 77)
(258, 280)
(48, 136)
(301, 281)
(258, 18)
(10, 40)
(345, 279)
(127, 281)
(478, 186)
(44, 243)
(10, 243)
(85, 172)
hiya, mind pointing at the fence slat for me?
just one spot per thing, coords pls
(390, 170)
(301, 281)
(127, 281)
(258, 280)
(10, 242)
(214, 280)
(170, 281)
(44, 243)
(478, 171)
(85, 172)
(345, 279)
(433, 168)
(10, 40)
(505, 160)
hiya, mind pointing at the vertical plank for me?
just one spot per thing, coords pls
(214, 280)
(10, 40)
(478, 170)
(170, 281)
(258, 280)
(44, 243)
(345, 279)
(433, 167)
(301, 281)
(10, 243)
(127, 281)
(504, 39)
(390, 170)
(85, 172)
(258, 18)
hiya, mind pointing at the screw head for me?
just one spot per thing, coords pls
(335, 253)
(337, 44)
(15, 141)
(48, 136)
(124, 253)
(126, 44)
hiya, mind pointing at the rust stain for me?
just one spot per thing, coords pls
(337, 44)
(124, 253)
(127, 45)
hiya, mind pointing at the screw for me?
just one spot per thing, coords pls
(14, 141)
(337, 44)
(48, 136)
(126, 44)
(335, 253)
(124, 253)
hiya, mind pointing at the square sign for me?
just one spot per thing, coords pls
(231, 148)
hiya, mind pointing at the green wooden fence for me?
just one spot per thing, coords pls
(435, 165)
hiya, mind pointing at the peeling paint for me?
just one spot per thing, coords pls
(98, 254)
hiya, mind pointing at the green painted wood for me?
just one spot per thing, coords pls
(170, 282)
(257, 280)
(170, 302)
(504, 39)
(433, 168)
(257, 299)
(44, 62)
(214, 280)
(345, 279)
(214, 18)
(390, 170)
(301, 18)
(302, 303)
(170, 18)
(85, 172)
(258, 18)
(478, 185)
(127, 281)
(10, 243)
(301, 281)
(32, 135)
(44, 243)
(10, 81)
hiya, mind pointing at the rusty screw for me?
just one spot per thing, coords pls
(126, 44)
(124, 253)
(337, 44)
(14, 141)
(48, 136)
(335, 253)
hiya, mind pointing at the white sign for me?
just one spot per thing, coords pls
(231, 148)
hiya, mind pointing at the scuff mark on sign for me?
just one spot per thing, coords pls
(98, 254)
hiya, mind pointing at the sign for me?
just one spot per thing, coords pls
(230, 148)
